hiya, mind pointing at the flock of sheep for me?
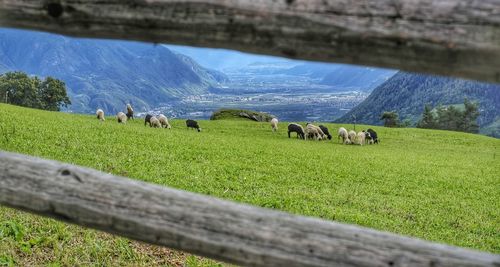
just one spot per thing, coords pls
(311, 131)
(160, 121)
(321, 133)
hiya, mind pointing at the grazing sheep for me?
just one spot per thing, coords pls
(326, 132)
(148, 119)
(352, 136)
(374, 136)
(274, 124)
(100, 114)
(313, 131)
(321, 134)
(130, 112)
(122, 118)
(296, 128)
(343, 133)
(193, 124)
(360, 138)
(368, 138)
(164, 121)
(320, 131)
(154, 122)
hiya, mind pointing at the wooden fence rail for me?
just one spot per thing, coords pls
(208, 226)
(447, 37)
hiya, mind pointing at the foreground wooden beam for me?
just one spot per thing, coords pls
(446, 37)
(208, 226)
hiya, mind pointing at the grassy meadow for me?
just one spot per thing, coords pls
(435, 185)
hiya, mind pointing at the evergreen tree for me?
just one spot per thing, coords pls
(453, 119)
(470, 115)
(428, 120)
(443, 119)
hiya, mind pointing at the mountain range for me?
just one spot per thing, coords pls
(407, 93)
(106, 73)
(335, 77)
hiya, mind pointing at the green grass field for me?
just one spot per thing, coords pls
(435, 185)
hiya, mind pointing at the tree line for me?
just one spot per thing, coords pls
(18, 88)
(451, 117)
(441, 117)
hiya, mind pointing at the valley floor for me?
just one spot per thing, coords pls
(435, 185)
(286, 106)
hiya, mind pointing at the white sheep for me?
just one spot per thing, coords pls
(352, 136)
(274, 124)
(342, 133)
(320, 131)
(360, 138)
(164, 121)
(321, 134)
(154, 122)
(100, 114)
(313, 131)
(122, 118)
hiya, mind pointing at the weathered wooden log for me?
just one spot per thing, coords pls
(207, 226)
(447, 37)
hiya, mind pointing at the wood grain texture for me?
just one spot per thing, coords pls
(208, 226)
(446, 37)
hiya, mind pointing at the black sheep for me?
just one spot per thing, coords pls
(193, 124)
(373, 135)
(368, 137)
(148, 119)
(130, 115)
(325, 131)
(296, 128)
(130, 112)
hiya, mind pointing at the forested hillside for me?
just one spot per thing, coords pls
(407, 93)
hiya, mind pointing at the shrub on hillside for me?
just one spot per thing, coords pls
(223, 113)
(391, 119)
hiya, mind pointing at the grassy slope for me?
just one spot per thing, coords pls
(436, 185)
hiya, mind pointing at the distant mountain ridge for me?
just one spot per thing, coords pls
(407, 93)
(222, 59)
(106, 73)
(357, 77)
(342, 77)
